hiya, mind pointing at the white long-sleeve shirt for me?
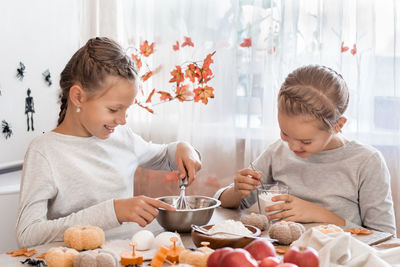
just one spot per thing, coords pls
(69, 180)
(351, 181)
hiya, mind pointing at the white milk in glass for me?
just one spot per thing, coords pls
(266, 193)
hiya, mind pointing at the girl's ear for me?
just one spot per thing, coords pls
(339, 124)
(77, 95)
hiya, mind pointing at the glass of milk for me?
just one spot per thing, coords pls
(266, 192)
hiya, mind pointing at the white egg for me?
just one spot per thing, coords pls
(144, 240)
(164, 239)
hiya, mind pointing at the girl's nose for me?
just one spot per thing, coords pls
(121, 120)
(294, 146)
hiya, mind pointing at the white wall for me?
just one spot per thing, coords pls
(42, 34)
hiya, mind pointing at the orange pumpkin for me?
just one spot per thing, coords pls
(60, 257)
(84, 237)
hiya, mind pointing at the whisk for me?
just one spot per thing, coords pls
(181, 202)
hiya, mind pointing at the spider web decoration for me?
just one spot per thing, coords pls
(21, 71)
(6, 129)
(47, 77)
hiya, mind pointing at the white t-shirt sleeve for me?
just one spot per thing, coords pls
(38, 188)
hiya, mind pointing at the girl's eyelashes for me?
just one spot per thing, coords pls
(112, 110)
(306, 142)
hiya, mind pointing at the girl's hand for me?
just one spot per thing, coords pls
(299, 210)
(141, 209)
(246, 181)
(187, 160)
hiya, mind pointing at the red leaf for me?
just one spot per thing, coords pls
(343, 48)
(188, 41)
(177, 75)
(246, 42)
(165, 96)
(354, 50)
(148, 100)
(138, 61)
(146, 76)
(203, 94)
(146, 49)
(176, 46)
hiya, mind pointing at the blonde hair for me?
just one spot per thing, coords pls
(315, 91)
(91, 65)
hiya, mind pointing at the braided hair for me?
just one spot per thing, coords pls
(316, 91)
(91, 65)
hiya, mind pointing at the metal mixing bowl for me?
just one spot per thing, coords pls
(202, 208)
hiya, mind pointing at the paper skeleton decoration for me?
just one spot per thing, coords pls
(29, 109)
(21, 71)
(47, 77)
(6, 129)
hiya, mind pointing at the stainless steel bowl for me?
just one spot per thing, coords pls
(202, 208)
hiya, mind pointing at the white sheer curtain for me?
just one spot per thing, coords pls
(358, 38)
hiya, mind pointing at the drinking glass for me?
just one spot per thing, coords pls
(264, 194)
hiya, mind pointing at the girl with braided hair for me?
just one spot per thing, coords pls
(331, 179)
(81, 173)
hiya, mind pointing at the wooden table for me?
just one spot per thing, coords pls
(126, 231)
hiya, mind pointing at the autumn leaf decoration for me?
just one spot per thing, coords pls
(190, 81)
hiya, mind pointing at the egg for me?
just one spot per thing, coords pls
(144, 240)
(164, 239)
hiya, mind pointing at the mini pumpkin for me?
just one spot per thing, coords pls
(258, 220)
(197, 257)
(96, 258)
(84, 237)
(60, 257)
(286, 232)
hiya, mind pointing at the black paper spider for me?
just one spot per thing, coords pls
(21, 71)
(47, 77)
(33, 262)
(6, 129)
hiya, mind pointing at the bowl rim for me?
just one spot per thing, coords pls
(216, 205)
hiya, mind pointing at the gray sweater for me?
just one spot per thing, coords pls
(351, 181)
(70, 180)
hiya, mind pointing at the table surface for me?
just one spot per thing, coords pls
(126, 231)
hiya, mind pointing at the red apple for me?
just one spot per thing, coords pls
(287, 265)
(269, 262)
(260, 249)
(213, 260)
(302, 256)
(237, 258)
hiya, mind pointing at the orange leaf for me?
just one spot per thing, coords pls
(354, 50)
(138, 61)
(203, 94)
(165, 96)
(176, 46)
(246, 42)
(146, 76)
(205, 74)
(146, 108)
(188, 41)
(192, 72)
(343, 48)
(208, 60)
(177, 75)
(150, 96)
(146, 49)
(181, 92)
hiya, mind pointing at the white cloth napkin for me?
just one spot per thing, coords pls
(341, 249)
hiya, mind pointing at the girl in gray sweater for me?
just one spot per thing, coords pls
(330, 178)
